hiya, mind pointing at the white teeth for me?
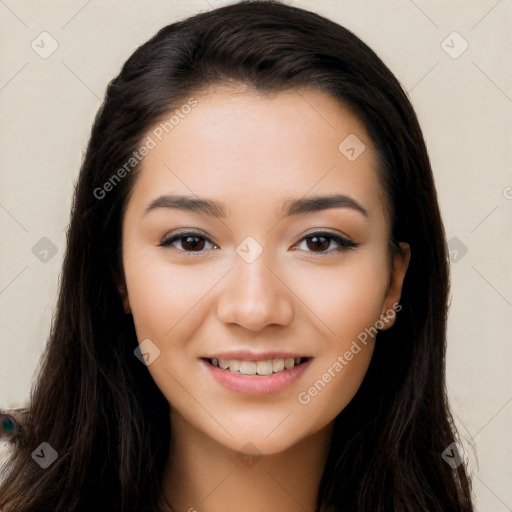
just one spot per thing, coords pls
(246, 367)
(277, 365)
(234, 365)
(289, 363)
(266, 367)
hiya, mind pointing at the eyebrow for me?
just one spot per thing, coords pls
(290, 206)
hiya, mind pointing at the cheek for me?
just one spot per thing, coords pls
(150, 291)
(349, 306)
(162, 295)
(345, 299)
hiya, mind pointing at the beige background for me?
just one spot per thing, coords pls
(464, 103)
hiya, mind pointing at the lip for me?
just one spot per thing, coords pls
(256, 384)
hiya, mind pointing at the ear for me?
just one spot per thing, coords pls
(120, 286)
(399, 265)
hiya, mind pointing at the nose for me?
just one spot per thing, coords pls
(255, 296)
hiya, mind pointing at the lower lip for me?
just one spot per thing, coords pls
(257, 384)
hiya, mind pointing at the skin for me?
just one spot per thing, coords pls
(252, 152)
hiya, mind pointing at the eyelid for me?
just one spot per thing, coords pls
(326, 232)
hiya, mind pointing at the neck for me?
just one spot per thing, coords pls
(202, 475)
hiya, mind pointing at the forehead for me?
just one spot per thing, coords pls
(245, 147)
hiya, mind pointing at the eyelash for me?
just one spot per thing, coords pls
(344, 243)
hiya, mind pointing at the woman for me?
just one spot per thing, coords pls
(253, 302)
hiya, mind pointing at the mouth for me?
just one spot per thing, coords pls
(257, 368)
(248, 373)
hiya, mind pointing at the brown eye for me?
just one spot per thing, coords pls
(320, 242)
(190, 242)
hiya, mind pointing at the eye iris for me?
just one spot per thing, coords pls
(314, 240)
(192, 245)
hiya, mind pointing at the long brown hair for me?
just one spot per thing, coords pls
(93, 401)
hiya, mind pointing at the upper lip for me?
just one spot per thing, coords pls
(247, 355)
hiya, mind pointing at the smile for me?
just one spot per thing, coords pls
(252, 374)
(267, 367)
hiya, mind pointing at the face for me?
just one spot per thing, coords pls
(254, 268)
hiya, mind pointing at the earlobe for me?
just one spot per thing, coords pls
(121, 290)
(400, 264)
(123, 293)
(126, 305)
